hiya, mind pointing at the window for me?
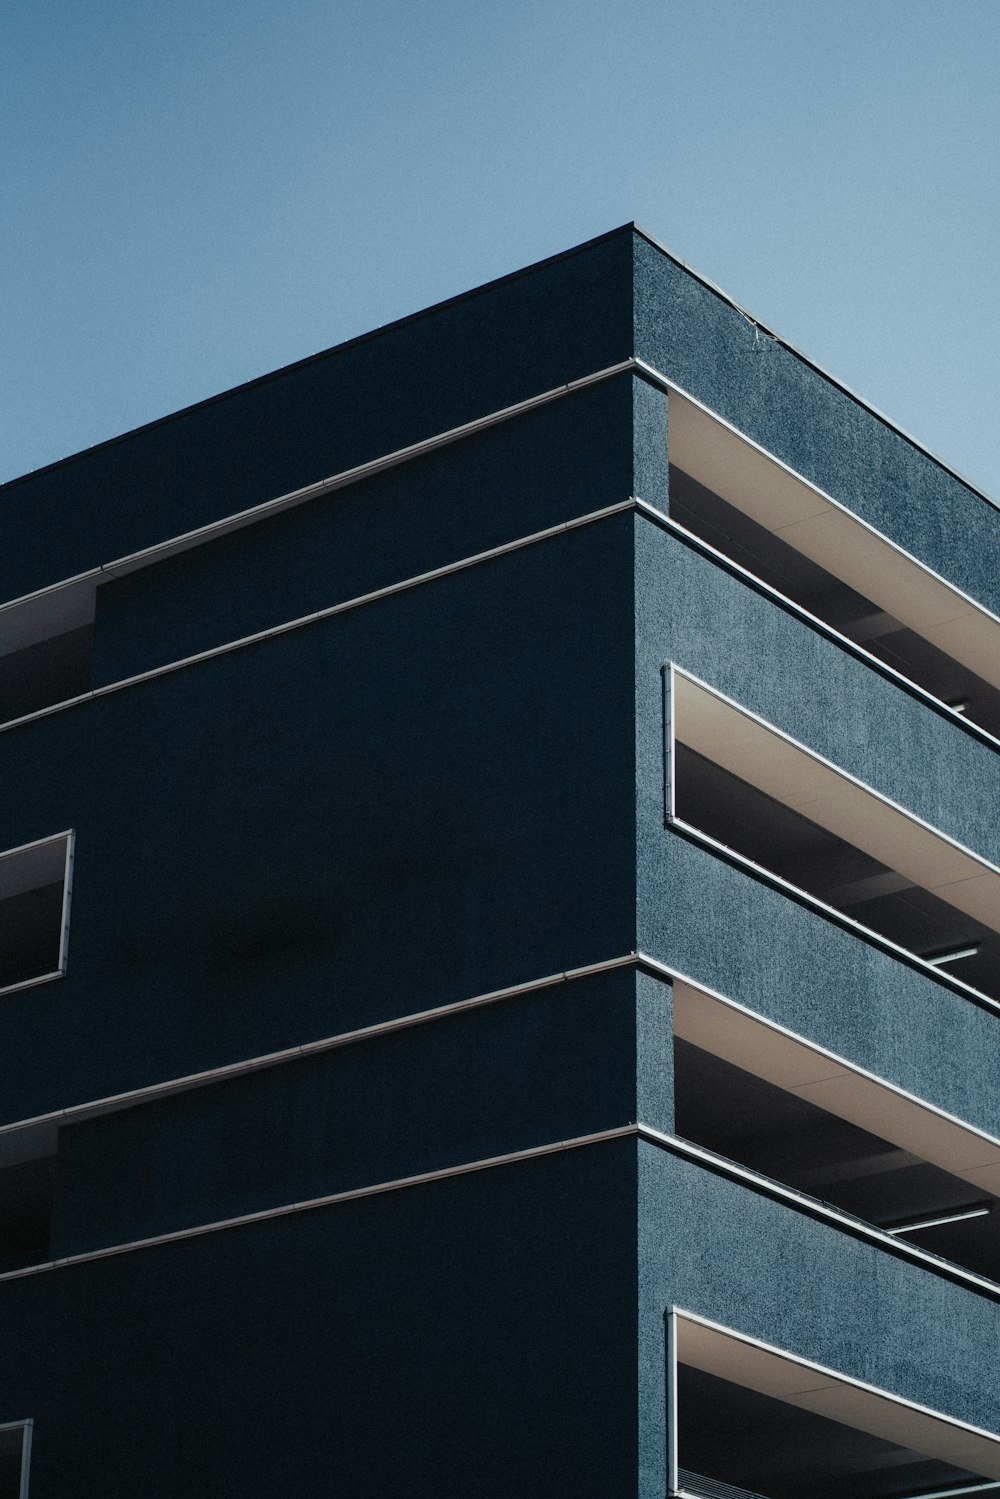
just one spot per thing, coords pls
(749, 1421)
(757, 512)
(34, 911)
(15, 1454)
(754, 1093)
(750, 790)
(46, 646)
(25, 1209)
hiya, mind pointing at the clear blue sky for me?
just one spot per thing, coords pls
(194, 192)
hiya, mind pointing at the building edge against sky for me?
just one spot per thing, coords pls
(502, 962)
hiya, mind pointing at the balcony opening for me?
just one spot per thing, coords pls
(25, 1214)
(771, 1101)
(15, 1453)
(50, 671)
(780, 1452)
(782, 1135)
(46, 648)
(34, 911)
(760, 796)
(753, 510)
(755, 1423)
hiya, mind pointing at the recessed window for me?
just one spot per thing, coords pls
(46, 648)
(751, 508)
(750, 1421)
(749, 789)
(34, 911)
(15, 1455)
(25, 1212)
(754, 1093)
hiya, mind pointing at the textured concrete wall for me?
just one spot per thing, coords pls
(708, 1244)
(773, 663)
(654, 1088)
(728, 929)
(716, 1248)
(700, 340)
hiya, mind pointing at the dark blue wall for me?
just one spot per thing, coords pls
(501, 344)
(476, 1336)
(404, 805)
(551, 465)
(551, 1065)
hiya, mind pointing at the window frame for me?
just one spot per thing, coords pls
(69, 838)
(26, 1425)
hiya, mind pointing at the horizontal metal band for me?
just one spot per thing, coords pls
(675, 1144)
(720, 1165)
(238, 519)
(814, 1207)
(332, 1199)
(359, 601)
(112, 1103)
(839, 918)
(393, 459)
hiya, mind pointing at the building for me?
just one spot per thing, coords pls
(526, 781)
